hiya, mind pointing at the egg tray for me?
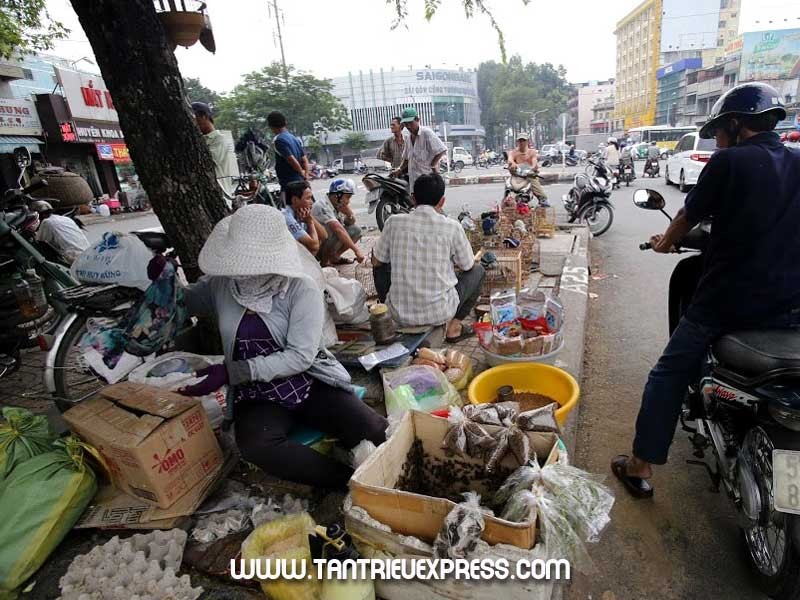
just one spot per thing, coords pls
(141, 567)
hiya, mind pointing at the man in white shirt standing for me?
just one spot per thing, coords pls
(415, 260)
(422, 148)
(221, 148)
(62, 233)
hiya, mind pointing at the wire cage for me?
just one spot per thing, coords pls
(505, 273)
(363, 274)
(509, 226)
(545, 221)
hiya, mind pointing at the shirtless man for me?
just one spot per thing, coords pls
(524, 154)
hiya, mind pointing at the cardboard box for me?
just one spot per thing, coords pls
(373, 485)
(158, 444)
(111, 508)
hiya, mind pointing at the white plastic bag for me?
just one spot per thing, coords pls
(174, 370)
(117, 258)
(347, 301)
(417, 387)
(314, 271)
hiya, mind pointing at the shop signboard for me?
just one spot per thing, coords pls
(770, 55)
(120, 152)
(104, 152)
(18, 116)
(98, 132)
(87, 96)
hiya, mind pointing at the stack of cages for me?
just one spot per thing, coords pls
(522, 228)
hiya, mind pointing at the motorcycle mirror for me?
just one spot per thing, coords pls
(649, 199)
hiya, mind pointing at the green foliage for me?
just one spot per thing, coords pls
(308, 103)
(356, 141)
(313, 145)
(510, 93)
(197, 92)
(400, 8)
(25, 26)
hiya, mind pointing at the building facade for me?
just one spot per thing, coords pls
(439, 95)
(671, 95)
(603, 116)
(589, 94)
(638, 45)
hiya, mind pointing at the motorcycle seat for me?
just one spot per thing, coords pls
(756, 352)
(155, 240)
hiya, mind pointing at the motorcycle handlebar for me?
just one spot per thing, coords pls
(646, 246)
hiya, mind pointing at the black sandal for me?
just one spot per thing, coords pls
(466, 331)
(636, 486)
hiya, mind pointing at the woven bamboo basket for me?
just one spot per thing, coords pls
(70, 189)
(364, 276)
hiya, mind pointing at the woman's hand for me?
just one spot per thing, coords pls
(215, 377)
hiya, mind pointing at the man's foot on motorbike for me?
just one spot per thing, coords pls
(633, 473)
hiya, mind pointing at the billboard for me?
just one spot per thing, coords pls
(770, 55)
(689, 25)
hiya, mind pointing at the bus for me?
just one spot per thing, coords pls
(664, 136)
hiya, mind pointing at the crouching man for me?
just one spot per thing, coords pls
(415, 263)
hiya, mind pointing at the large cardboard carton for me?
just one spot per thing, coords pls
(158, 444)
(373, 486)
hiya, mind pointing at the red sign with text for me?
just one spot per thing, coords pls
(120, 152)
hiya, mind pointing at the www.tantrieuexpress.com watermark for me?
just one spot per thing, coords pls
(401, 569)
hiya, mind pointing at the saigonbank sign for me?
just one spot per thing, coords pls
(444, 76)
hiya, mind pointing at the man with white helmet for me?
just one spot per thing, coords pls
(336, 215)
(62, 233)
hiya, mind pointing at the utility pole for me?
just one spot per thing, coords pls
(280, 39)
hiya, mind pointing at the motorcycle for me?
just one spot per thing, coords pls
(589, 199)
(257, 185)
(652, 168)
(626, 173)
(19, 253)
(518, 184)
(746, 412)
(386, 196)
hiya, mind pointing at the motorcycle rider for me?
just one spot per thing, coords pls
(60, 232)
(524, 154)
(653, 156)
(751, 276)
(611, 153)
(626, 159)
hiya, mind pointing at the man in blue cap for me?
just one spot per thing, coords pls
(422, 149)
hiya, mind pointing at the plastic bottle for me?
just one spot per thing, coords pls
(37, 290)
(24, 296)
(339, 547)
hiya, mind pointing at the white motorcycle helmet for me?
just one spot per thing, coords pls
(612, 140)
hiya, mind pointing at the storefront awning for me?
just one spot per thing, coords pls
(9, 142)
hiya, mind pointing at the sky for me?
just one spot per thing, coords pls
(331, 37)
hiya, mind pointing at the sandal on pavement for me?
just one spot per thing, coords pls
(636, 486)
(466, 331)
(343, 261)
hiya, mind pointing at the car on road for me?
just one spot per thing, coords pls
(460, 155)
(689, 157)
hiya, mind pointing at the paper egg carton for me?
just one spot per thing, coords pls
(141, 567)
(219, 525)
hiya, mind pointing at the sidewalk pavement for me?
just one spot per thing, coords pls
(546, 177)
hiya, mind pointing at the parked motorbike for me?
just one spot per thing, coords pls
(589, 199)
(386, 196)
(746, 412)
(652, 168)
(21, 327)
(518, 184)
(257, 185)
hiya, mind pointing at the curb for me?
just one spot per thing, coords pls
(546, 179)
(574, 293)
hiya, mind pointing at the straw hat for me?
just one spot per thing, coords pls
(253, 241)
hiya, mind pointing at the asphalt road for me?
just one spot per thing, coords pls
(684, 543)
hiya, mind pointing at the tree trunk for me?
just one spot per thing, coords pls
(169, 153)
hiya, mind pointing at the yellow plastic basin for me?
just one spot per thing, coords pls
(533, 378)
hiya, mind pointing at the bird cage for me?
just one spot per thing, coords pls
(504, 272)
(545, 221)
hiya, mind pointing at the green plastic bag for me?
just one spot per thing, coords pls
(23, 435)
(40, 501)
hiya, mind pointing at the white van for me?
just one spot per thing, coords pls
(460, 155)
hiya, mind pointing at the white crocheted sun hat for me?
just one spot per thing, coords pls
(253, 241)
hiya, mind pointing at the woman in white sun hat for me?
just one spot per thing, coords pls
(270, 318)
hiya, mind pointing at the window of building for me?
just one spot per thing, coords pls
(723, 3)
(27, 73)
(722, 24)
